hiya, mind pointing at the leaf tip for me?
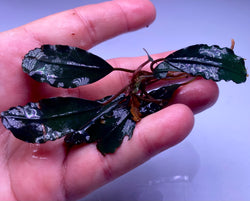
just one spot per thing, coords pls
(149, 57)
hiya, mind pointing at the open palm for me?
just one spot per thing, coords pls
(52, 171)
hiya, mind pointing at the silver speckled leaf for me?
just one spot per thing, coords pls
(64, 66)
(210, 62)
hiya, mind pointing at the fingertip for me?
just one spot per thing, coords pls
(144, 7)
(198, 95)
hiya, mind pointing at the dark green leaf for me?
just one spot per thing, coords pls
(114, 139)
(112, 128)
(109, 129)
(210, 62)
(49, 119)
(163, 93)
(64, 66)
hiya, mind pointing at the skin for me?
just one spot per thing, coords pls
(53, 171)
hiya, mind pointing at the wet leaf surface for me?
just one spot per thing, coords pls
(64, 66)
(164, 93)
(82, 121)
(49, 119)
(210, 62)
(108, 130)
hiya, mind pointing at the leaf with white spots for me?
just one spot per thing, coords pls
(49, 119)
(64, 66)
(210, 62)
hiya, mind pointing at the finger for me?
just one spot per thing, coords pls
(89, 25)
(198, 95)
(152, 135)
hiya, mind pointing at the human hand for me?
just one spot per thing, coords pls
(52, 171)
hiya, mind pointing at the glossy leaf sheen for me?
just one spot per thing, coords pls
(49, 119)
(210, 62)
(82, 121)
(164, 92)
(108, 130)
(64, 66)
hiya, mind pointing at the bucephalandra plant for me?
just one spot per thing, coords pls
(109, 120)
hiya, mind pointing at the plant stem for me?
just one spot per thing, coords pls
(124, 69)
(116, 95)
